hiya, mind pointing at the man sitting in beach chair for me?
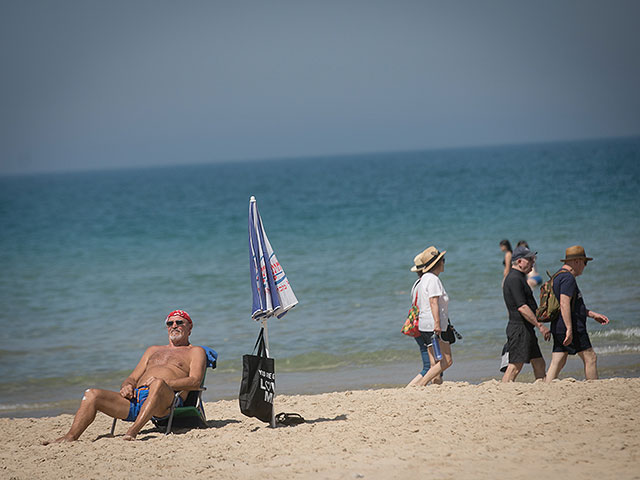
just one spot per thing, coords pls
(149, 390)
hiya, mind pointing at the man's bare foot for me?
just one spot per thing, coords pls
(131, 435)
(64, 439)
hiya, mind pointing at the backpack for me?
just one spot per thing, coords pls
(549, 308)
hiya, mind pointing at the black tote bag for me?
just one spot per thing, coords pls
(258, 383)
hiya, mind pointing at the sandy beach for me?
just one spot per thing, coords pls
(569, 429)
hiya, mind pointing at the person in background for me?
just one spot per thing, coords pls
(569, 330)
(533, 277)
(424, 350)
(522, 343)
(433, 303)
(505, 246)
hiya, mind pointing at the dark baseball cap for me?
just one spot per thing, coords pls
(522, 252)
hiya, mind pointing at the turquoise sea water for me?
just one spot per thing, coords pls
(92, 262)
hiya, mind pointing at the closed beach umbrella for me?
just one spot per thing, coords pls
(272, 293)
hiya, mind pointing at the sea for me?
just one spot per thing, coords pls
(92, 262)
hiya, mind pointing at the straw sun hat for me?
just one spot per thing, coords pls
(427, 259)
(575, 253)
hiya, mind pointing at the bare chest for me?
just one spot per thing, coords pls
(170, 358)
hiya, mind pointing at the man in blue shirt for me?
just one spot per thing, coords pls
(569, 330)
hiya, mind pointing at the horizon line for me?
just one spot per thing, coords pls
(311, 156)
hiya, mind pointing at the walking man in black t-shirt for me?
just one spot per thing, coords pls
(569, 330)
(522, 343)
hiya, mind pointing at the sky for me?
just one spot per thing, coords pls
(88, 85)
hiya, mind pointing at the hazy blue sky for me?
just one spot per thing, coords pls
(89, 84)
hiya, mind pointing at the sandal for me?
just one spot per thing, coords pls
(289, 419)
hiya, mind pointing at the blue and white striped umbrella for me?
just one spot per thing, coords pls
(272, 293)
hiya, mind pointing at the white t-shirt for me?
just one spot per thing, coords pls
(430, 286)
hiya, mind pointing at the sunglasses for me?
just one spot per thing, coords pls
(170, 323)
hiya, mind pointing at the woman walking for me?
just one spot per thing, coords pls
(433, 303)
(505, 246)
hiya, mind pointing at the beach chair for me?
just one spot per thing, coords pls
(191, 413)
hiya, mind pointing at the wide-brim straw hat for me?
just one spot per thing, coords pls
(427, 259)
(575, 252)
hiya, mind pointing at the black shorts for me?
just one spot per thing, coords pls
(522, 343)
(428, 336)
(579, 343)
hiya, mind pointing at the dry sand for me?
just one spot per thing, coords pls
(569, 429)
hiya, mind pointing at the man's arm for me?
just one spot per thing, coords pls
(197, 367)
(131, 382)
(530, 317)
(565, 311)
(598, 317)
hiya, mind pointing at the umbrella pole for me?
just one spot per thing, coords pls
(266, 342)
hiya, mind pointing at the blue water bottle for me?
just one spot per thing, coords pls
(436, 347)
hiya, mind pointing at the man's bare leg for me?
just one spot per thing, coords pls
(590, 360)
(539, 366)
(512, 371)
(157, 404)
(558, 360)
(94, 400)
